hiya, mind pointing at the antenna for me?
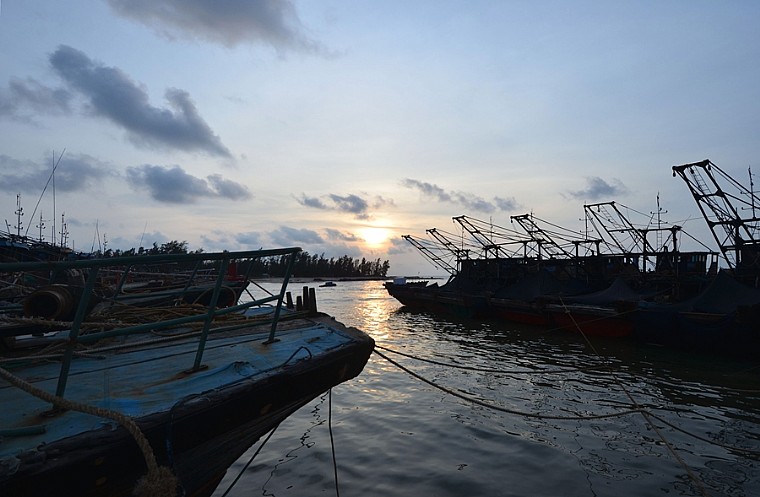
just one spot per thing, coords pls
(751, 189)
(64, 230)
(660, 211)
(50, 178)
(143, 234)
(41, 226)
(19, 212)
(96, 237)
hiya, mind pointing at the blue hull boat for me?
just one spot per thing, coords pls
(157, 399)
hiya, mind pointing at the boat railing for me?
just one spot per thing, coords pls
(91, 291)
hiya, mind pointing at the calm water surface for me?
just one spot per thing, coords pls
(395, 435)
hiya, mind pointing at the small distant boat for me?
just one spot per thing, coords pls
(328, 283)
(169, 392)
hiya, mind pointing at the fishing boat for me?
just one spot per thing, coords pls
(724, 318)
(613, 280)
(158, 398)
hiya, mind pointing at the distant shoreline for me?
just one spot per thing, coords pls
(295, 279)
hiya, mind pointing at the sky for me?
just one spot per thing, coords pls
(340, 125)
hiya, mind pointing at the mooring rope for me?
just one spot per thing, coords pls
(640, 408)
(245, 467)
(534, 371)
(258, 450)
(485, 370)
(158, 482)
(641, 411)
(504, 409)
(332, 441)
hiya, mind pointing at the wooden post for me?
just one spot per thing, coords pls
(299, 303)
(313, 300)
(288, 300)
(306, 298)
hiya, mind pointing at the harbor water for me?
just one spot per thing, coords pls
(472, 408)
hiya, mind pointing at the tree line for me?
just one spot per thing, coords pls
(306, 265)
(317, 265)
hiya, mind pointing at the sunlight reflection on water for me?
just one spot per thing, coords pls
(397, 436)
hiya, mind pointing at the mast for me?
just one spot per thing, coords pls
(627, 238)
(457, 252)
(485, 235)
(41, 226)
(541, 237)
(731, 231)
(430, 254)
(19, 213)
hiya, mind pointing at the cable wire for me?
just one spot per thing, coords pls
(332, 441)
(234, 482)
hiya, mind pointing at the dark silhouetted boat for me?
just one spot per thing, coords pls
(616, 282)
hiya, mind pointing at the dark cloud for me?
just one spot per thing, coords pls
(251, 239)
(379, 202)
(74, 173)
(173, 185)
(334, 234)
(427, 189)
(231, 22)
(228, 188)
(351, 204)
(597, 188)
(285, 236)
(473, 202)
(467, 200)
(113, 95)
(25, 98)
(311, 202)
(506, 204)
(218, 240)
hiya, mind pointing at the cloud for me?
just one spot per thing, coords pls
(399, 246)
(173, 185)
(311, 202)
(351, 204)
(335, 244)
(285, 236)
(113, 95)
(74, 173)
(470, 201)
(23, 96)
(251, 239)
(334, 234)
(597, 188)
(379, 202)
(465, 199)
(231, 22)
(228, 188)
(145, 240)
(506, 204)
(428, 189)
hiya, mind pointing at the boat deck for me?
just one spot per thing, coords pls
(142, 378)
(107, 376)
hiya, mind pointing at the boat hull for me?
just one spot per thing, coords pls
(438, 301)
(198, 438)
(591, 320)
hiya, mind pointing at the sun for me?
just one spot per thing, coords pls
(375, 236)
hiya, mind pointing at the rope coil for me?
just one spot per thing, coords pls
(158, 482)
